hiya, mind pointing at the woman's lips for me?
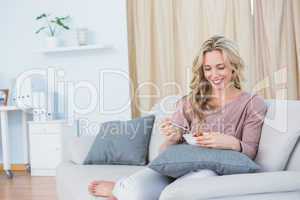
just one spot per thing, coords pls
(217, 81)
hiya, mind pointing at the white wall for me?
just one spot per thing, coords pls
(19, 52)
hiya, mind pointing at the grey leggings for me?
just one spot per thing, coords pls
(147, 184)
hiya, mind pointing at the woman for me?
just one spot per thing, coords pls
(217, 112)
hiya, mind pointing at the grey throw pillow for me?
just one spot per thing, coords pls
(178, 160)
(118, 142)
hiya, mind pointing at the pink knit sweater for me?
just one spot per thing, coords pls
(243, 118)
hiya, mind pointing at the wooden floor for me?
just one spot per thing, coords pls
(25, 187)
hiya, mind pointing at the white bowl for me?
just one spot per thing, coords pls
(190, 139)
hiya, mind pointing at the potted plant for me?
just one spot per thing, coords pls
(51, 27)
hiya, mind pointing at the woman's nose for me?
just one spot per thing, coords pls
(214, 73)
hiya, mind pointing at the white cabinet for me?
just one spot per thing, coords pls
(45, 139)
(45, 151)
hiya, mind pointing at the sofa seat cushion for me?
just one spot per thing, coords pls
(267, 196)
(72, 179)
(237, 185)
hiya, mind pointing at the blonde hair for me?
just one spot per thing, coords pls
(201, 89)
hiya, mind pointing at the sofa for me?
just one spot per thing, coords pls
(279, 153)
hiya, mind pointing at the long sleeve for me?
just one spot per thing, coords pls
(252, 127)
(181, 116)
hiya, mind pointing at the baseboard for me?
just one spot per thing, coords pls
(15, 167)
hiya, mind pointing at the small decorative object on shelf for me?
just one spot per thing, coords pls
(49, 116)
(39, 103)
(12, 98)
(3, 97)
(35, 115)
(51, 26)
(39, 114)
(82, 36)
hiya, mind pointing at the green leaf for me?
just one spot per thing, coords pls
(40, 29)
(52, 23)
(64, 18)
(60, 23)
(66, 27)
(41, 16)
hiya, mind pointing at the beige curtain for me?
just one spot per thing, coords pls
(164, 36)
(277, 45)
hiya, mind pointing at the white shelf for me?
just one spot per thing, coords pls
(9, 108)
(49, 122)
(76, 48)
(12, 108)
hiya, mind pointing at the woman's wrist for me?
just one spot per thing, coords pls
(165, 145)
(237, 145)
(168, 142)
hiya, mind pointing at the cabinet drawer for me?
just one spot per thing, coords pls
(45, 151)
(45, 128)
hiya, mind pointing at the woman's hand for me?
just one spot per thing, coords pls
(172, 134)
(218, 140)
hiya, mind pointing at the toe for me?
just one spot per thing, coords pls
(90, 187)
(95, 182)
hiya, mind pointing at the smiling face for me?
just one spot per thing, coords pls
(216, 70)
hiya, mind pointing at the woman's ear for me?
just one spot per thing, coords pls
(233, 76)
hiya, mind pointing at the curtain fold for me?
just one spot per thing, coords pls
(276, 26)
(164, 37)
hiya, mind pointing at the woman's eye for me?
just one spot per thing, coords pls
(207, 68)
(221, 67)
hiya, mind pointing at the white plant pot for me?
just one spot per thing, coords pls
(51, 42)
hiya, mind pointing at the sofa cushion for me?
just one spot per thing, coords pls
(118, 142)
(178, 160)
(294, 161)
(161, 110)
(280, 133)
(72, 180)
(237, 187)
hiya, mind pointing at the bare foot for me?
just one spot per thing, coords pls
(101, 188)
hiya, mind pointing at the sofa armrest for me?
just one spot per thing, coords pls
(232, 185)
(70, 132)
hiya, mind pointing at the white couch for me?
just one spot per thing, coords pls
(270, 184)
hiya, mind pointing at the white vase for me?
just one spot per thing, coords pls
(82, 36)
(51, 42)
